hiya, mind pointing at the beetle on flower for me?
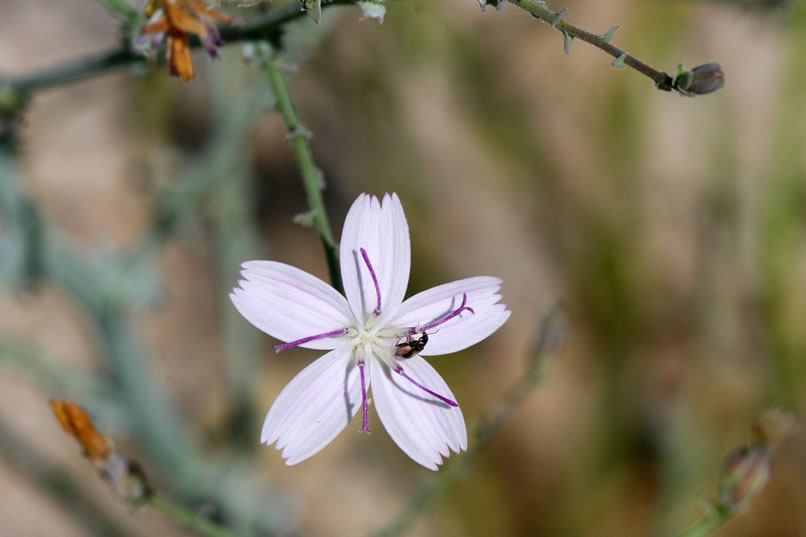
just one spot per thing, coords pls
(362, 333)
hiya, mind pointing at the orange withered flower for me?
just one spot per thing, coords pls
(73, 419)
(126, 477)
(174, 20)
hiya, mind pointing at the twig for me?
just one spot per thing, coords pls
(551, 336)
(311, 175)
(538, 9)
(124, 55)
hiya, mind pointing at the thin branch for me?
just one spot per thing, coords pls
(311, 175)
(538, 9)
(122, 56)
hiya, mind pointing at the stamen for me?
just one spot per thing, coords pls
(414, 329)
(377, 310)
(364, 402)
(399, 370)
(280, 348)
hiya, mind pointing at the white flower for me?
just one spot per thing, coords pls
(369, 334)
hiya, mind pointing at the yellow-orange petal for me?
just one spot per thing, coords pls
(179, 56)
(179, 19)
(78, 424)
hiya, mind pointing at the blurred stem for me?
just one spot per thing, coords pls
(104, 295)
(187, 518)
(311, 175)
(550, 337)
(236, 240)
(663, 81)
(707, 525)
(258, 28)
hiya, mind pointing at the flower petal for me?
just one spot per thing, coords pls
(290, 304)
(465, 329)
(315, 406)
(382, 231)
(422, 426)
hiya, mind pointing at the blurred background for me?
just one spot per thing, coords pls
(673, 230)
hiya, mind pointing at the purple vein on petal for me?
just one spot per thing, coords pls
(280, 348)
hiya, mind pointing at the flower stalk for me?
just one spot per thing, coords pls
(311, 175)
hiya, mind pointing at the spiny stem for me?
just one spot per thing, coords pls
(187, 518)
(83, 68)
(663, 81)
(311, 176)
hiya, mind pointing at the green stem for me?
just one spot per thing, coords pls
(707, 525)
(311, 175)
(187, 518)
(663, 81)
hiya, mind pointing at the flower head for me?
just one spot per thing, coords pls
(374, 338)
(174, 20)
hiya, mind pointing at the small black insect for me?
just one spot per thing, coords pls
(411, 347)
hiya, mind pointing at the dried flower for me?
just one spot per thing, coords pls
(126, 477)
(174, 20)
(374, 337)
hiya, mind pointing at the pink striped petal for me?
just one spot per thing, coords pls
(290, 304)
(315, 406)
(464, 330)
(425, 428)
(382, 231)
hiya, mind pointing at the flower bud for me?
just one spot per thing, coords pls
(747, 471)
(703, 79)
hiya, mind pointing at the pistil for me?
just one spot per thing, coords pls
(460, 309)
(364, 401)
(399, 370)
(377, 310)
(280, 348)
